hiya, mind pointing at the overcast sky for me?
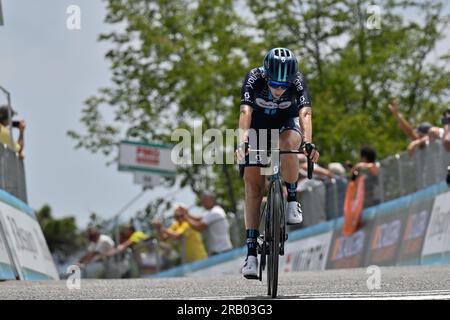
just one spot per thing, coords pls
(50, 71)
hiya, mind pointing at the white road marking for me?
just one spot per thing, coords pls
(378, 295)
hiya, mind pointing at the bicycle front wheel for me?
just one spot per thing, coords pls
(274, 229)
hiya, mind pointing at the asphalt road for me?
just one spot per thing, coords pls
(418, 282)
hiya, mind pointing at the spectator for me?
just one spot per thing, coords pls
(370, 167)
(312, 193)
(336, 192)
(421, 135)
(337, 170)
(100, 245)
(446, 140)
(194, 248)
(214, 220)
(129, 238)
(319, 172)
(5, 133)
(132, 237)
(446, 124)
(368, 162)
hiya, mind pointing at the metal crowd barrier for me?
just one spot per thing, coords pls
(399, 175)
(12, 173)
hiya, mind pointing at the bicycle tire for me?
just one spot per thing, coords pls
(267, 237)
(275, 233)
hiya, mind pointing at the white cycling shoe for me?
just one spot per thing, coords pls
(250, 268)
(294, 213)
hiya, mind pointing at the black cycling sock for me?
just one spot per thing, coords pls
(252, 235)
(292, 191)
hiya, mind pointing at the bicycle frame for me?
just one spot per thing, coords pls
(271, 242)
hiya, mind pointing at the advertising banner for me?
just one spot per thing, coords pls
(146, 157)
(414, 232)
(25, 239)
(306, 254)
(6, 265)
(437, 239)
(349, 251)
(386, 237)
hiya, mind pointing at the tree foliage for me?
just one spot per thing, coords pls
(62, 236)
(178, 63)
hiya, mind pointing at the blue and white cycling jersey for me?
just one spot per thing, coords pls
(256, 93)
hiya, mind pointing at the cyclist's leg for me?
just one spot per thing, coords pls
(291, 139)
(254, 191)
(254, 180)
(254, 188)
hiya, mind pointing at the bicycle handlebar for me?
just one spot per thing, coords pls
(309, 161)
(309, 148)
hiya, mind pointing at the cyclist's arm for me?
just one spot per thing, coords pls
(305, 117)
(245, 119)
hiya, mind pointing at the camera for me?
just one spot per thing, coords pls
(16, 124)
(446, 117)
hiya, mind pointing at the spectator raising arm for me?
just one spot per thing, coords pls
(403, 124)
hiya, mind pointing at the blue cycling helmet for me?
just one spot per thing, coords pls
(281, 65)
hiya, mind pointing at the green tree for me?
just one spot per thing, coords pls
(62, 236)
(177, 64)
(180, 64)
(353, 71)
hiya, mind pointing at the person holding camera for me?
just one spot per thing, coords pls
(5, 134)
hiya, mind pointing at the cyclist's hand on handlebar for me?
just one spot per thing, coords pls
(241, 151)
(311, 152)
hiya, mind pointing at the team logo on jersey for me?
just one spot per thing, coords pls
(251, 79)
(272, 105)
(298, 84)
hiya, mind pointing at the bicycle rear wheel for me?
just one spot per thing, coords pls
(274, 231)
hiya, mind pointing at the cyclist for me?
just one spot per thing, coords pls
(274, 96)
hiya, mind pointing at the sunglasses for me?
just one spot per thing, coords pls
(278, 85)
